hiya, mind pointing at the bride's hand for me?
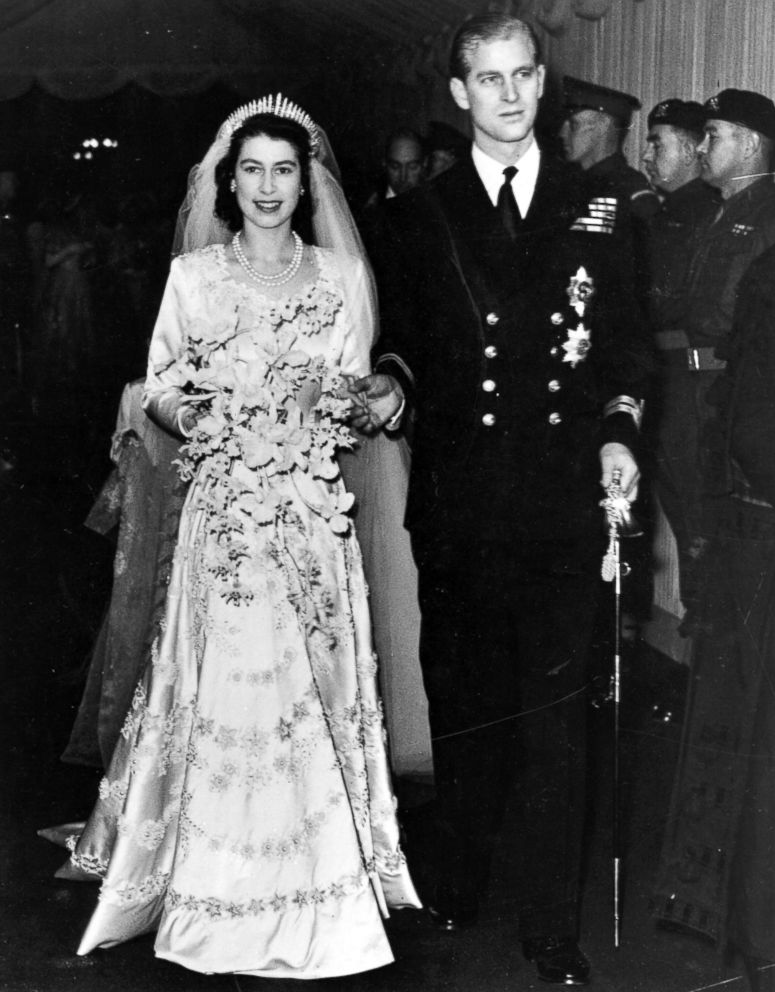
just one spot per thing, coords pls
(187, 418)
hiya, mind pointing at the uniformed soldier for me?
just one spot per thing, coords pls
(673, 166)
(593, 133)
(717, 870)
(735, 155)
(508, 330)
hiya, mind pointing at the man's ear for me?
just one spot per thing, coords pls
(753, 143)
(459, 93)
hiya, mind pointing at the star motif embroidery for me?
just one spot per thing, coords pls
(580, 291)
(577, 346)
(285, 729)
(300, 710)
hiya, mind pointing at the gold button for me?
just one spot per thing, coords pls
(557, 319)
(553, 386)
(555, 418)
(554, 351)
(488, 386)
(490, 351)
(488, 419)
(492, 319)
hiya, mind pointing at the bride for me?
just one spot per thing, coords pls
(247, 814)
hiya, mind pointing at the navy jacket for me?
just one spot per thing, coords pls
(506, 393)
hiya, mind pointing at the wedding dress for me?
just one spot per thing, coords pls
(247, 813)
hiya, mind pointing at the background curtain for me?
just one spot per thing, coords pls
(656, 49)
(653, 49)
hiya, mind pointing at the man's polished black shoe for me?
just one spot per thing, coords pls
(558, 960)
(451, 910)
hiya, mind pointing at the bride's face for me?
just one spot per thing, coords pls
(268, 180)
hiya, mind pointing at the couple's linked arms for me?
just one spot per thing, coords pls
(378, 399)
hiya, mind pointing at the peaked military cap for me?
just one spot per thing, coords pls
(581, 95)
(752, 110)
(686, 114)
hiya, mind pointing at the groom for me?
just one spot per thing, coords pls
(512, 344)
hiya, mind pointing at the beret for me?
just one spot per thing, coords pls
(752, 110)
(686, 114)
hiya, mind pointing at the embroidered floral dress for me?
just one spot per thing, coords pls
(247, 813)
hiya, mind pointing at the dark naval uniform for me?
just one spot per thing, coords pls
(717, 872)
(694, 345)
(511, 353)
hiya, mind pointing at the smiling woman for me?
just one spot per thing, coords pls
(247, 812)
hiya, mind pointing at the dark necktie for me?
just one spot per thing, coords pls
(507, 205)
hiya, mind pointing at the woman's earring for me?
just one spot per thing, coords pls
(233, 185)
(302, 191)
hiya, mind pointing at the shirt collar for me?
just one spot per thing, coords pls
(523, 184)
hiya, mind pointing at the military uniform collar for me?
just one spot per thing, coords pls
(763, 187)
(696, 187)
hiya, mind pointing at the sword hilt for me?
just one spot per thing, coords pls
(618, 509)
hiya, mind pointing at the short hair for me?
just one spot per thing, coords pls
(404, 134)
(487, 27)
(281, 129)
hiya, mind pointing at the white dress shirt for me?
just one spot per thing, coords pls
(523, 183)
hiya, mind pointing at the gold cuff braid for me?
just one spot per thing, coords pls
(625, 404)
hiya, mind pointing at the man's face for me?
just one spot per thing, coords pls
(664, 158)
(404, 165)
(501, 92)
(722, 152)
(580, 135)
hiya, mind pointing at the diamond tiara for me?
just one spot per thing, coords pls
(278, 105)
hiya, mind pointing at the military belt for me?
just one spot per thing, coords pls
(676, 350)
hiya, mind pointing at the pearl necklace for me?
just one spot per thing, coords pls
(270, 280)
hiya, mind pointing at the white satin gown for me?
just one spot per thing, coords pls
(247, 815)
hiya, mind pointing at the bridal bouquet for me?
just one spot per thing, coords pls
(279, 413)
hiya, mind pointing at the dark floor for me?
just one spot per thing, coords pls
(54, 583)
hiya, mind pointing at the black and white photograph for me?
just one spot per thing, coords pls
(387, 495)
